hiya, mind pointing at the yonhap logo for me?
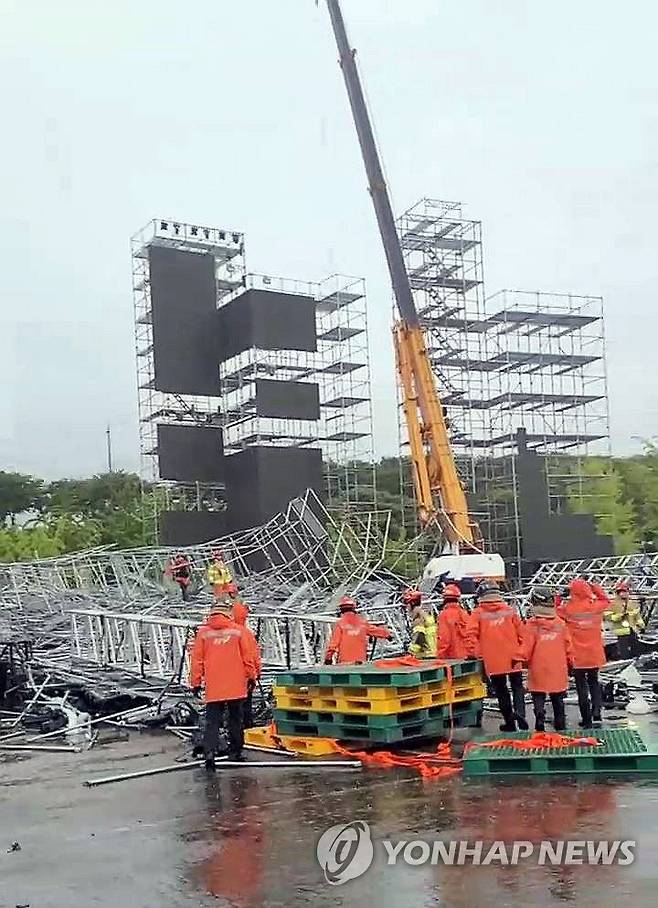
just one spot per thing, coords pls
(345, 852)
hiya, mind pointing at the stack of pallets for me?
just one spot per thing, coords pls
(378, 705)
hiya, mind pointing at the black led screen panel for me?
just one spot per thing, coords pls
(268, 321)
(287, 399)
(552, 537)
(183, 304)
(261, 481)
(191, 527)
(190, 453)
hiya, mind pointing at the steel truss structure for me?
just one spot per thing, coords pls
(158, 648)
(114, 611)
(297, 560)
(639, 570)
(340, 367)
(227, 248)
(513, 361)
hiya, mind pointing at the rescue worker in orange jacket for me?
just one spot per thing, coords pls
(240, 613)
(583, 612)
(453, 626)
(496, 636)
(222, 659)
(349, 640)
(548, 651)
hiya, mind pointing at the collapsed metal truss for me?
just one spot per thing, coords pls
(159, 648)
(640, 570)
(302, 548)
(106, 610)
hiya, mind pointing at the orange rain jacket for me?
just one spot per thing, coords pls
(240, 612)
(548, 651)
(453, 632)
(223, 659)
(350, 638)
(583, 613)
(496, 636)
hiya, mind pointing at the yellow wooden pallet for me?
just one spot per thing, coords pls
(468, 688)
(369, 700)
(376, 707)
(365, 694)
(316, 747)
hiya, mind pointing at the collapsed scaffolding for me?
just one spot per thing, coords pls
(106, 616)
(106, 624)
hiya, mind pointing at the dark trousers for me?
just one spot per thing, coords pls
(511, 707)
(248, 709)
(539, 706)
(628, 646)
(4, 679)
(235, 731)
(589, 694)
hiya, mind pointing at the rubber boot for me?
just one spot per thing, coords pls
(237, 758)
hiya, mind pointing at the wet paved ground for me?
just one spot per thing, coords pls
(248, 838)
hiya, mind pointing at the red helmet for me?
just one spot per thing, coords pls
(451, 591)
(347, 603)
(412, 597)
(622, 587)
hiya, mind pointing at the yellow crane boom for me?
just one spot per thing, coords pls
(440, 496)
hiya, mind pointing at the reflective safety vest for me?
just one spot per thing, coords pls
(423, 637)
(625, 617)
(218, 574)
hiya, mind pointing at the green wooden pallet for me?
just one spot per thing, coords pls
(368, 675)
(461, 667)
(371, 720)
(623, 751)
(376, 734)
(466, 718)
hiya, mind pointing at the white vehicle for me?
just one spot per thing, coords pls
(479, 566)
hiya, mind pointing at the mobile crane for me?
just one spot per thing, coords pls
(439, 493)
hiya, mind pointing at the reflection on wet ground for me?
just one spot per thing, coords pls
(248, 839)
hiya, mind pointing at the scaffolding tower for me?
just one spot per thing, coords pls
(339, 367)
(516, 362)
(547, 380)
(158, 407)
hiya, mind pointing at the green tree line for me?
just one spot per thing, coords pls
(42, 520)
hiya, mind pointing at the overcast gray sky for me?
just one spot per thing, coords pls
(541, 117)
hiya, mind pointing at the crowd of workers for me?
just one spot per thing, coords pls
(562, 636)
